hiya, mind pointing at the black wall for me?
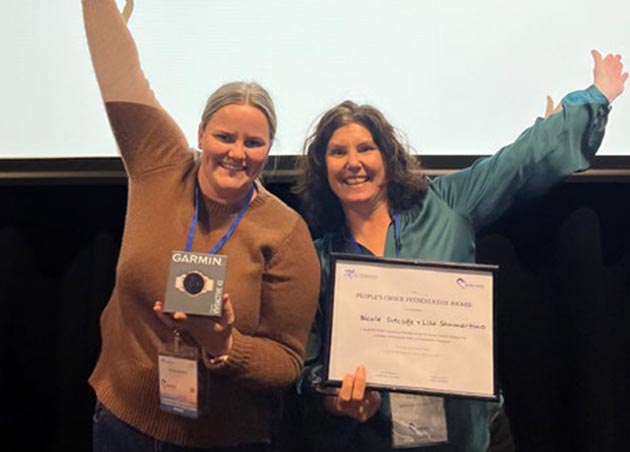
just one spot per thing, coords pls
(564, 300)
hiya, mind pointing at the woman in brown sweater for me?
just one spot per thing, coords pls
(178, 195)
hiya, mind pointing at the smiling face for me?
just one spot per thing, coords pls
(234, 144)
(355, 168)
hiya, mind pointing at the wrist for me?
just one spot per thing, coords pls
(610, 96)
(214, 350)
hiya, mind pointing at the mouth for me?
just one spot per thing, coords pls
(231, 166)
(356, 180)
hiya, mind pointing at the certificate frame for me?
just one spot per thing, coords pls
(447, 346)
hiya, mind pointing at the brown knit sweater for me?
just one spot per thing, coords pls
(272, 276)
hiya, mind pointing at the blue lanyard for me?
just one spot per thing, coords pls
(396, 217)
(228, 234)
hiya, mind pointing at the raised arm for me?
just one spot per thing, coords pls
(554, 147)
(608, 77)
(114, 54)
(148, 138)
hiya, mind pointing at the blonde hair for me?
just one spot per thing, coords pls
(241, 93)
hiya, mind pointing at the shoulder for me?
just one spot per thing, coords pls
(276, 219)
(278, 212)
(147, 137)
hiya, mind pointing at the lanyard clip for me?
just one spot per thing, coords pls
(177, 340)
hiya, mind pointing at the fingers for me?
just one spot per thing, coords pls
(361, 411)
(180, 316)
(177, 319)
(608, 73)
(127, 10)
(353, 386)
(358, 390)
(345, 393)
(597, 57)
(372, 404)
(352, 399)
(165, 318)
(367, 407)
(212, 334)
(549, 107)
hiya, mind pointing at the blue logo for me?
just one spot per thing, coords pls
(350, 273)
(461, 282)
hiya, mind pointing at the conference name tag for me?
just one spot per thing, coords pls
(417, 420)
(179, 380)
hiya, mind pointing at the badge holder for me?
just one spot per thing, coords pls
(417, 421)
(178, 367)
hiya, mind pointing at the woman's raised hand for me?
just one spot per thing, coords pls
(608, 74)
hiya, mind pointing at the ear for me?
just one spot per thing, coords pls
(199, 135)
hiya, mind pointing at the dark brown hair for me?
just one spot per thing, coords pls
(404, 188)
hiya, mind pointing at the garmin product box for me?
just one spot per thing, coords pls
(195, 283)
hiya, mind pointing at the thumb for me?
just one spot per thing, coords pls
(549, 107)
(227, 314)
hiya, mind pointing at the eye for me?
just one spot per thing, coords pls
(366, 147)
(336, 152)
(254, 143)
(224, 137)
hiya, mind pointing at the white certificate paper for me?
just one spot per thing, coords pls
(416, 326)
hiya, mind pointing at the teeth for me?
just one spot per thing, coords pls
(232, 167)
(355, 180)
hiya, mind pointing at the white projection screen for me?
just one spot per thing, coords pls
(457, 77)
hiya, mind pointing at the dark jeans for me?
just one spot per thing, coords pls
(110, 434)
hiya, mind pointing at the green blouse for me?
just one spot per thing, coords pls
(443, 228)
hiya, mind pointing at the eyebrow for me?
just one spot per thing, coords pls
(228, 132)
(332, 145)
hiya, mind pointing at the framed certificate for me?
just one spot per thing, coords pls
(417, 326)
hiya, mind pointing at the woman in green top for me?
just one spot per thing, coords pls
(360, 190)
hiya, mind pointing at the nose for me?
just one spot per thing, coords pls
(237, 150)
(353, 160)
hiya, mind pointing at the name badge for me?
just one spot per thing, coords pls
(196, 283)
(179, 379)
(417, 420)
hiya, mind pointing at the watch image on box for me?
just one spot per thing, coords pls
(196, 282)
(193, 283)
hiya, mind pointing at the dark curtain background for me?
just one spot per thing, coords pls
(563, 313)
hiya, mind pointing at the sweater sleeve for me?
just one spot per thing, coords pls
(146, 135)
(273, 357)
(541, 156)
(114, 55)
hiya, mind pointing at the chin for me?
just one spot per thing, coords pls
(227, 191)
(353, 201)
(231, 191)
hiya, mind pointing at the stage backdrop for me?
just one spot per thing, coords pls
(458, 77)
